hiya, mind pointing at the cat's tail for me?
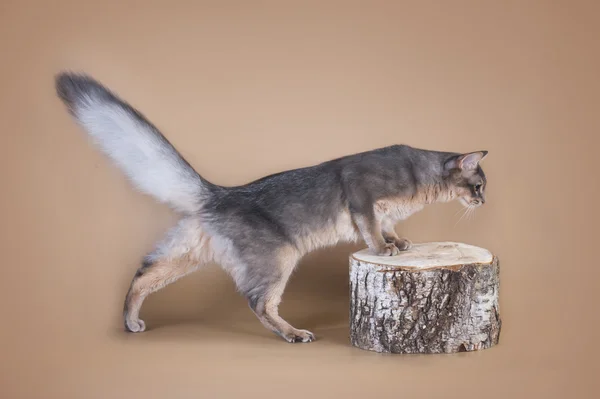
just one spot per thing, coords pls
(133, 143)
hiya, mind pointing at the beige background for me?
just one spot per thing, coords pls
(250, 88)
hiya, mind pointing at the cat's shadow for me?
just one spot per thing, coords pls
(315, 299)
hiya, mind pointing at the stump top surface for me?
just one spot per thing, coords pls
(430, 255)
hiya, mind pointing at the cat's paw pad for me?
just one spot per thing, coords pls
(135, 326)
(403, 244)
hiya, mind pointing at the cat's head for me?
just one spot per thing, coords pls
(466, 179)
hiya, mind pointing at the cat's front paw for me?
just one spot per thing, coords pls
(389, 249)
(403, 244)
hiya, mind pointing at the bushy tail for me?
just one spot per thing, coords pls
(134, 144)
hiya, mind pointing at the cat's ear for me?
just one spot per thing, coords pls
(467, 161)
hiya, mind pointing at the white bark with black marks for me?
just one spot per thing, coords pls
(439, 297)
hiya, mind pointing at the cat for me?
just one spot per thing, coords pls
(259, 231)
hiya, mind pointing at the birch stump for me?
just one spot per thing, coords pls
(439, 297)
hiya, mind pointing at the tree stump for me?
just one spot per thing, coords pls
(439, 297)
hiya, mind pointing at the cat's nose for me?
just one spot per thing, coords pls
(482, 201)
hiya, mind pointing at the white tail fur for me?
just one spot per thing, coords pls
(136, 146)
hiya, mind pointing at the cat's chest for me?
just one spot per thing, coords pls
(397, 209)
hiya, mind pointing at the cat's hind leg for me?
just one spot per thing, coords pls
(185, 248)
(154, 274)
(262, 279)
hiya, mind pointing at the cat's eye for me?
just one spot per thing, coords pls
(478, 187)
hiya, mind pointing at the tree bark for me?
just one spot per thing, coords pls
(433, 298)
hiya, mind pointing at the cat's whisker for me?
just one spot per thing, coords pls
(465, 210)
(472, 213)
(468, 214)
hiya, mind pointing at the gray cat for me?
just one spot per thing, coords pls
(259, 231)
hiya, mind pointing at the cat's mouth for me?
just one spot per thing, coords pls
(473, 203)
